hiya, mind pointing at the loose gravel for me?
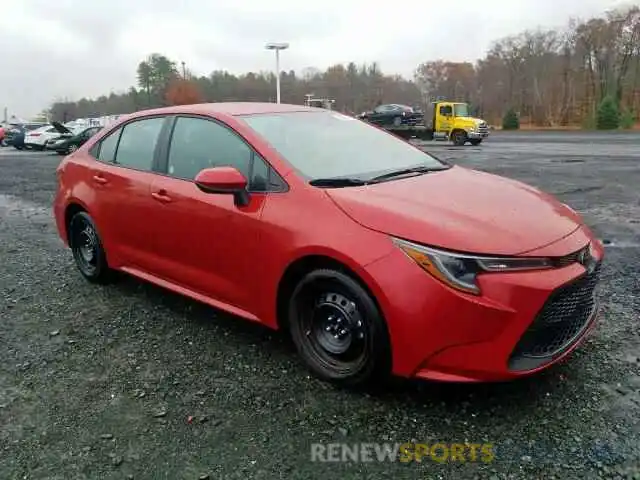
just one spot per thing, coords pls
(130, 381)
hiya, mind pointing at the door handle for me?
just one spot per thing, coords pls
(99, 179)
(161, 197)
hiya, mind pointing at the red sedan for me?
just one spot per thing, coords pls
(376, 257)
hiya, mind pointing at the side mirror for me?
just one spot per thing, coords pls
(224, 180)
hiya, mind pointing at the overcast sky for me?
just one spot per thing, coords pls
(73, 48)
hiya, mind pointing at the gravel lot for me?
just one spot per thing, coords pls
(99, 382)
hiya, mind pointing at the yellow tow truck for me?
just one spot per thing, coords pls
(452, 121)
(443, 120)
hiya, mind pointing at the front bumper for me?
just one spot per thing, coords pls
(438, 333)
(55, 147)
(37, 146)
(477, 135)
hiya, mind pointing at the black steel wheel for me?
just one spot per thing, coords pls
(87, 249)
(459, 138)
(338, 329)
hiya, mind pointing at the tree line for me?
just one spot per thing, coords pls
(546, 77)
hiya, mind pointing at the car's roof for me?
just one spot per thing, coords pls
(230, 108)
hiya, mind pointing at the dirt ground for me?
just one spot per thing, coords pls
(100, 382)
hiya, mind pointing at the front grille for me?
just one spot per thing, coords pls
(413, 120)
(558, 324)
(573, 257)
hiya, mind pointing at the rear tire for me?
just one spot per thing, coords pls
(338, 330)
(87, 249)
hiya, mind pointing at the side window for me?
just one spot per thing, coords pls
(138, 143)
(264, 178)
(259, 181)
(445, 110)
(198, 143)
(106, 150)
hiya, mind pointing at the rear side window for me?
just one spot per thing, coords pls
(138, 143)
(107, 147)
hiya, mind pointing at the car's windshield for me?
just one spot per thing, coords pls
(461, 110)
(330, 145)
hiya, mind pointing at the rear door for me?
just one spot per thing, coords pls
(121, 180)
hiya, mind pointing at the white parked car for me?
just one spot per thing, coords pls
(38, 139)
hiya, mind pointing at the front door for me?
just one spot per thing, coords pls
(444, 119)
(203, 241)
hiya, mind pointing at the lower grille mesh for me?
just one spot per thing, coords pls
(560, 321)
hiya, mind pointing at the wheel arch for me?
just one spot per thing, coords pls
(73, 207)
(305, 264)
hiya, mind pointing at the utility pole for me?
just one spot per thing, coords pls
(6, 118)
(184, 71)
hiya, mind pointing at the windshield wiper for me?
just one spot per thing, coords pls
(405, 171)
(337, 182)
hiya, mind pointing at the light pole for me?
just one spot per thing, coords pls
(277, 47)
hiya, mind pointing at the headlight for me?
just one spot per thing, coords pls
(459, 270)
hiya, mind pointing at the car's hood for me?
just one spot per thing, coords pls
(60, 128)
(470, 121)
(460, 209)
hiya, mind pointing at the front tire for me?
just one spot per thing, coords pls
(476, 142)
(338, 330)
(87, 249)
(459, 138)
